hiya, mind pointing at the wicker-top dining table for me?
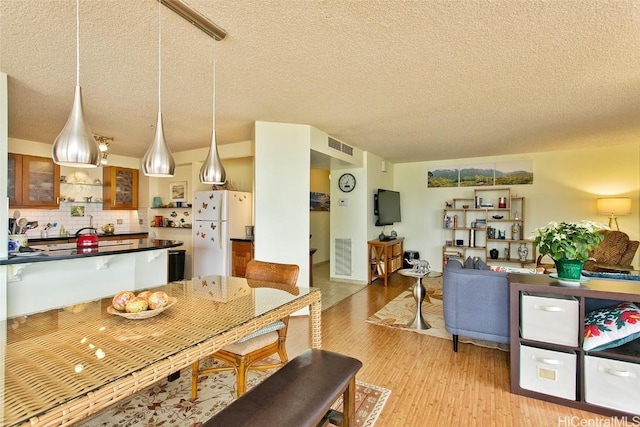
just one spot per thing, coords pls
(65, 364)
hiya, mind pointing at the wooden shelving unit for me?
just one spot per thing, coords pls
(385, 258)
(484, 222)
(621, 385)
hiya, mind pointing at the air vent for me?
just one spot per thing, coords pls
(335, 144)
(347, 149)
(343, 257)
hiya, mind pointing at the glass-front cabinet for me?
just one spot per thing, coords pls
(33, 181)
(120, 190)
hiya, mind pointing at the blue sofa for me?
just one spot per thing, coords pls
(475, 303)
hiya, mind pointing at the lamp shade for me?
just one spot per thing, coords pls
(76, 146)
(614, 206)
(158, 160)
(212, 170)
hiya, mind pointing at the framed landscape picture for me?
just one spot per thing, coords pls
(443, 177)
(178, 191)
(480, 175)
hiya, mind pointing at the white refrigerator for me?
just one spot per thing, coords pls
(218, 216)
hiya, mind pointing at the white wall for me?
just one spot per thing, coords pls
(565, 188)
(4, 202)
(347, 222)
(282, 195)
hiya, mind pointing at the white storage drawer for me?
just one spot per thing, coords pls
(550, 318)
(612, 383)
(549, 372)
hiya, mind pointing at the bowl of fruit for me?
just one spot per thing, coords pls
(142, 306)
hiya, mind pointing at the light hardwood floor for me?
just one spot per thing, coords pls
(430, 384)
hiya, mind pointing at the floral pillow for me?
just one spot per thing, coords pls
(611, 327)
(537, 270)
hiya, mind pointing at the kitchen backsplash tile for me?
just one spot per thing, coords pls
(62, 217)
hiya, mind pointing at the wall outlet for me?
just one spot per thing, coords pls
(119, 221)
(140, 221)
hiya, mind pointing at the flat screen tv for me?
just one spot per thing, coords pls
(386, 205)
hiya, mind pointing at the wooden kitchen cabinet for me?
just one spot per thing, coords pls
(120, 188)
(33, 182)
(241, 254)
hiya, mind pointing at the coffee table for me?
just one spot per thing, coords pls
(419, 292)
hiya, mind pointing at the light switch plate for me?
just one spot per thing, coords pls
(343, 202)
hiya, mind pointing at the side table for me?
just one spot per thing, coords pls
(419, 293)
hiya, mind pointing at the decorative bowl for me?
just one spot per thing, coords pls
(465, 206)
(497, 217)
(142, 314)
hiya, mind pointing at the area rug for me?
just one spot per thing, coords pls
(168, 404)
(400, 311)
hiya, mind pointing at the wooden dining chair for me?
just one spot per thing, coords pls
(243, 354)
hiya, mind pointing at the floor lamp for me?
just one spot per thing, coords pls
(614, 206)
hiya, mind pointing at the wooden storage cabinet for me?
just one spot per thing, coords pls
(492, 219)
(33, 182)
(120, 188)
(385, 258)
(548, 365)
(241, 254)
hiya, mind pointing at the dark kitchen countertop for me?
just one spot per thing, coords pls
(71, 238)
(241, 239)
(64, 251)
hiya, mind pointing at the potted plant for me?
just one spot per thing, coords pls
(568, 244)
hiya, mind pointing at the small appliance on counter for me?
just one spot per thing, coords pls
(108, 228)
(87, 240)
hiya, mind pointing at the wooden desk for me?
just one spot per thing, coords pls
(66, 364)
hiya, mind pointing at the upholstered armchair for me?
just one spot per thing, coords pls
(614, 253)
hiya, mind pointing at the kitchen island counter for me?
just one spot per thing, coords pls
(65, 251)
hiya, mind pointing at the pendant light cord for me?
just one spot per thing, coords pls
(159, 59)
(77, 42)
(213, 104)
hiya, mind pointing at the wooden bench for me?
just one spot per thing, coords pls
(298, 394)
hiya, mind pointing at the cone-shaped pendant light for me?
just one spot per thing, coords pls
(212, 170)
(158, 160)
(76, 146)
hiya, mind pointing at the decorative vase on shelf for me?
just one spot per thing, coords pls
(523, 251)
(569, 268)
(494, 253)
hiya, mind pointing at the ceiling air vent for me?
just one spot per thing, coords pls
(347, 149)
(337, 145)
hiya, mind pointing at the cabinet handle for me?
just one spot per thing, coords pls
(618, 373)
(549, 308)
(547, 361)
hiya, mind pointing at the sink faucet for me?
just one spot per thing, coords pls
(91, 221)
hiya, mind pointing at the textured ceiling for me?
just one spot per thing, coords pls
(406, 80)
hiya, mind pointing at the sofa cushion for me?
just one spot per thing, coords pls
(468, 263)
(611, 327)
(479, 264)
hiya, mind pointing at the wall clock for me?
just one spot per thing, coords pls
(347, 182)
